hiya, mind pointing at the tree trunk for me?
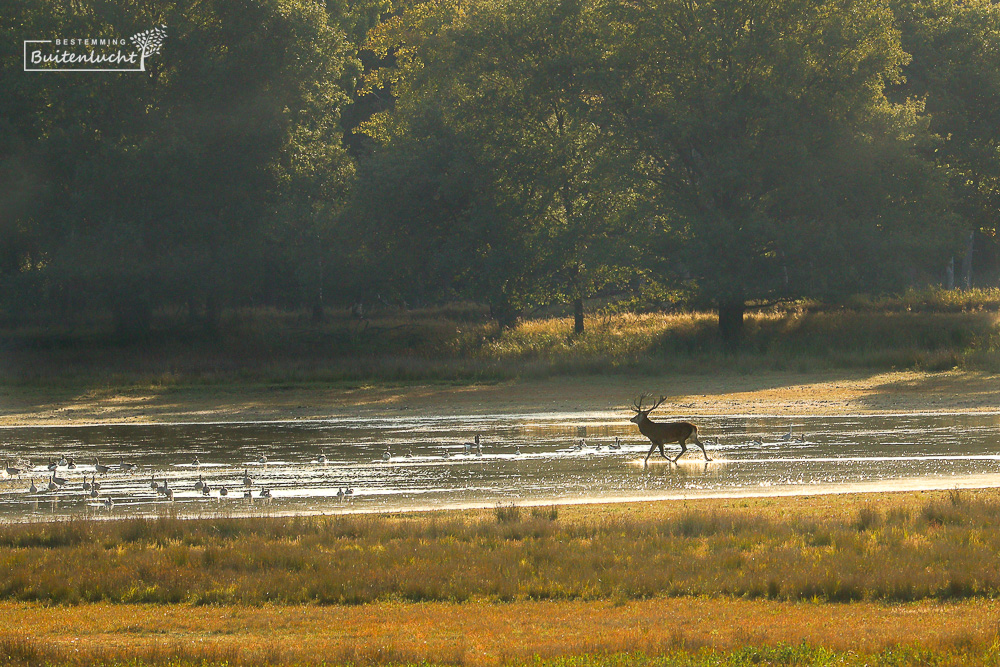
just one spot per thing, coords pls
(731, 321)
(504, 314)
(578, 316)
(211, 321)
(967, 262)
(133, 317)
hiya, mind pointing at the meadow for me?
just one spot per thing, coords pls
(941, 548)
(895, 579)
(930, 329)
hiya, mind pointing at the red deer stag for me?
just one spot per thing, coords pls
(660, 433)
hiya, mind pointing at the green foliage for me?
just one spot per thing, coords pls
(519, 154)
(144, 190)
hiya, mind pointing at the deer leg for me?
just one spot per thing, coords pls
(684, 448)
(698, 442)
(663, 453)
(650, 452)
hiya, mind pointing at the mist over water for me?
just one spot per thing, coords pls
(562, 458)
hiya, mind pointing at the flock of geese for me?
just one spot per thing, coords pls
(92, 487)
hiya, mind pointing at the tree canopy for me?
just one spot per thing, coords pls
(511, 152)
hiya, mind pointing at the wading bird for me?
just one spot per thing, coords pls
(661, 433)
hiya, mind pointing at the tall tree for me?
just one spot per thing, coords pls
(510, 82)
(956, 69)
(781, 168)
(164, 187)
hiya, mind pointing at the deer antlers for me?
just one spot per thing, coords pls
(637, 403)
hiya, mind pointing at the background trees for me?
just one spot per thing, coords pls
(513, 153)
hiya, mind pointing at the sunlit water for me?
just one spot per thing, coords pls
(528, 459)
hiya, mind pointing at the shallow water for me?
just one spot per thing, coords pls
(429, 466)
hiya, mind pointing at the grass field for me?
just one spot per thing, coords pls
(922, 330)
(894, 579)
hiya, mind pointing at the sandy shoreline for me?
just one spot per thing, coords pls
(760, 394)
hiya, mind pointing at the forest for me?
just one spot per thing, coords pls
(721, 155)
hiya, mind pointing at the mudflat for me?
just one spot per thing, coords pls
(778, 393)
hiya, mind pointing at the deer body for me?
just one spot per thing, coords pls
(661, 433)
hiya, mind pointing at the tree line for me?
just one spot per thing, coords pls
(516, 153)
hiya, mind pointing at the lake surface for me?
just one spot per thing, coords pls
(527, 459)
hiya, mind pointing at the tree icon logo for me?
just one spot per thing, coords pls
(149, 42)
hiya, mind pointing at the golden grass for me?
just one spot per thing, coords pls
(488, 633)
(904, 548)
(926, 330)
(484, 547)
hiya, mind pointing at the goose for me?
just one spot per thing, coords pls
(32, 488)
(71, 465)
(152, 483)
(94, 483)
(63, 460)
(206, 490)
(94, 493)
(409, 455)
(386, 455)
(103, 469)
(126, 467)
(248, 496)
(468, 447)
(52, 486)
(223, 491)
(109, 503)
(616, 445)
(321, 458)
(446, 455)
(517, 450)
(265, 493)
(86, 484)
(52, 464)
(58, 480)
(349, 492)
(199, 485)
(578, 447)
(196, 462)
(247, 479)
(11, 470)
(162, 490)
(757, 442)
(788, 436)
(801, 437)
(262, 460)
(170, 495)
(340, 495)
(479, 445)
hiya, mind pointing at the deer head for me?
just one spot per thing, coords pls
(641, 413)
